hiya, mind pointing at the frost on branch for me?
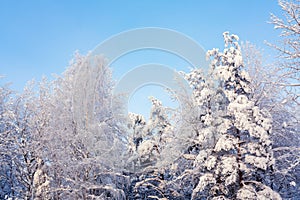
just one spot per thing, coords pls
(41, 182)
(207, 179)
(289, 46)
(257, 191)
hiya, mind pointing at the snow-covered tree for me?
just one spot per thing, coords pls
(86, 139)
(152, 143)
(7, 183)
(289, 47)
(287, 66)
(21, 146)
(275, 88)
(242, 155)
(268, 93)
(158, 132)
(148, 140)
(136, 123)
(234, 152)
(287, 122)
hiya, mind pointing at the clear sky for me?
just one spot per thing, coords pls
(39, 37)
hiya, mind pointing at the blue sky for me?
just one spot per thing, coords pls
(40, 37)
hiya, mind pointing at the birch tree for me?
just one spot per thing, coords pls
(85, 140)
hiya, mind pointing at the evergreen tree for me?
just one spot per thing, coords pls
(240, 161)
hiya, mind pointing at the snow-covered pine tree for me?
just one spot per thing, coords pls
(136, 125)
(202, 122)
(149, 142)
(238, 164)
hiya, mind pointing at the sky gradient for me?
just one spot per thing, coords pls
(40, 37)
